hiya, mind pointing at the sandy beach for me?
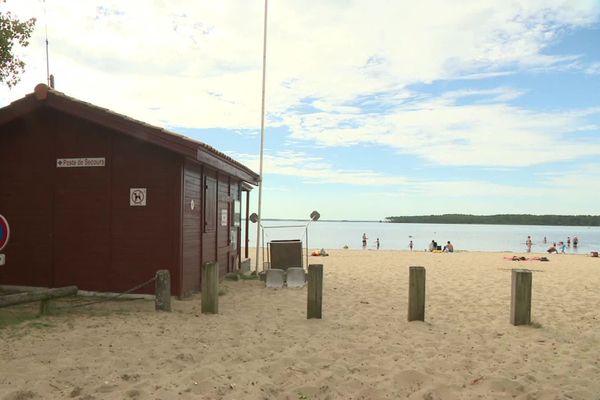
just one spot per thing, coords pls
(261, 346)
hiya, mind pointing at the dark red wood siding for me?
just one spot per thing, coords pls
(26, 194)
(81, 207)
(192, 229)
(145, 239)
(75, 225)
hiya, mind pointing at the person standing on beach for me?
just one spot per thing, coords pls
(575, 241)
(528, 243)
(377, 243)
(568, 241)
(410, 245)
(364, 240)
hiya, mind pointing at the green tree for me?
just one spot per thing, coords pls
(12, 32)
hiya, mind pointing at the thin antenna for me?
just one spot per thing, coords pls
(50, 81)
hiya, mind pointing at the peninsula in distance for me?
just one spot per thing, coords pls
(500, 219)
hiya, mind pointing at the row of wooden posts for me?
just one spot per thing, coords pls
(209, 290)
(520, 306)
(520, 297)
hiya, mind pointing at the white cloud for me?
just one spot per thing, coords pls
(593, 69)
(198, 65)
(315, 170)
(489, 133)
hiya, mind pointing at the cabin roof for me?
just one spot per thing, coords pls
(193, 150)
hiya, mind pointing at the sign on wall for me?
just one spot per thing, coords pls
(4, 232)
(137, 196)
(80, 162)
(223, 217)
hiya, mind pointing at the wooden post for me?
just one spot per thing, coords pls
(520, 297)
(416, 294)
(210, 288)
(314, 302)
(162, 291)
(45, 294)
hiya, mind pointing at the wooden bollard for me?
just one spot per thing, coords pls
(162, 291)
(416, 294)
(314, 304)
(210, 288)
(520, 297)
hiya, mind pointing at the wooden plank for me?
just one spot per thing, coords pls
(314, 304)
(416, 294)
(162, 299)
(210, 288)
(520, 297)
(28, 297)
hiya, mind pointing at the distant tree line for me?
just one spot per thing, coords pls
(500, 219)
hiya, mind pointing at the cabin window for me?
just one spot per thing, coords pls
(237, 212)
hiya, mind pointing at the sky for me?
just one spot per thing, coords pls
(373, 108)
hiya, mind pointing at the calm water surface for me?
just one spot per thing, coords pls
(335, 235)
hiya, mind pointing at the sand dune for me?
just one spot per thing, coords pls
(261, 346)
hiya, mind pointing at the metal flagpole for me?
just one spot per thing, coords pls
(262, 138)
(47, 58)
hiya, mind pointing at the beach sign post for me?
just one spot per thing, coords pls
(314, 304)
(520, 297)
(416, 294)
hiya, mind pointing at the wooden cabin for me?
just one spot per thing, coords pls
(102, 201)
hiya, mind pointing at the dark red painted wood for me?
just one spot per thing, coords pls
(192, 228)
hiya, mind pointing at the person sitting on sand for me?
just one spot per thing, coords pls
(449, 248)
(552, 249)
(432, 245)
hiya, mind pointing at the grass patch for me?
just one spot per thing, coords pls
(11, 319)
(535, 324)
(222, 291)
(19, 314)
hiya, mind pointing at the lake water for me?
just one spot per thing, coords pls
(336, 235)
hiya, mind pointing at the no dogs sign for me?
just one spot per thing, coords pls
(4, 232)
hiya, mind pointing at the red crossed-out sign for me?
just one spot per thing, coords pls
(4, 232)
